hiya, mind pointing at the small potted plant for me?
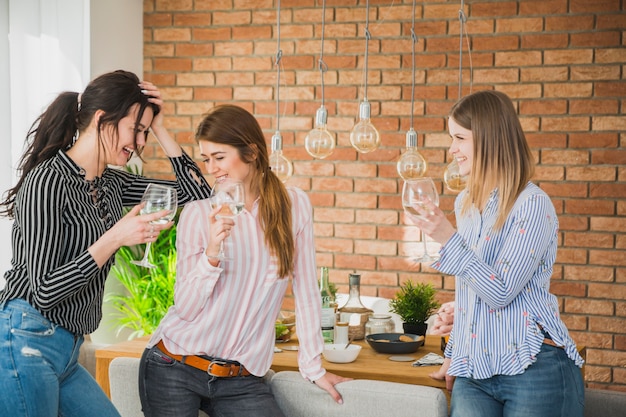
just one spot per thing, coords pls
(414, 303)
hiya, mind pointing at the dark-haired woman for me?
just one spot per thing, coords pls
(213, 347)
(68, 224)
(509, 350)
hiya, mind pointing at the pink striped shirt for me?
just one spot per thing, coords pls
(229, 311)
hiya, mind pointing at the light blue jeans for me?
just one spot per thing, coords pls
(551, 387)
(39, 371)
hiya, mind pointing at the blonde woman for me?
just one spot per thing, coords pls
(509, 353)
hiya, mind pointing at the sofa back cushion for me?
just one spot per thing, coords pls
(299, 398)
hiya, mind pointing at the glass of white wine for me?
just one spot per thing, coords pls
(229, 194)
(415, 193)
(156, 198)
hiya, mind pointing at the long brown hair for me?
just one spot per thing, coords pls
(234, 126)
(55, 129)
(502, 156)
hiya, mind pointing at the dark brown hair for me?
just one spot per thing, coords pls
(114, 93)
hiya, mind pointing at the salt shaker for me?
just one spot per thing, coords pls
(341, 333)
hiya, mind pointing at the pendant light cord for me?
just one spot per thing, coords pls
(367, 38)
(463, 31)
(279, 55)
(413, 43)
(321, 64)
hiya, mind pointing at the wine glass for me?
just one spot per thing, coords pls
(415, 193)
(156, 198)
(230, 195)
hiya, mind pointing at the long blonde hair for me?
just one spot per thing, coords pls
(502, 158)
(234, 126)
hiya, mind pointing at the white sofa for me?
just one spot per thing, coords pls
(299, 398)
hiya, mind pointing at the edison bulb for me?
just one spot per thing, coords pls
(411, 164)
(280, 165)
(319, 142)
(364, 137)
(455, 182)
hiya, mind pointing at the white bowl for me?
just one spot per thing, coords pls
(337, 353)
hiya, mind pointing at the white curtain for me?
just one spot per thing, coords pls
(45, 51)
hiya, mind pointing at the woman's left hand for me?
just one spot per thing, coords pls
(154, 96)
(433, 222)
(328, 382)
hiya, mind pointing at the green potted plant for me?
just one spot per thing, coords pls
(414, 303)
(148, 293)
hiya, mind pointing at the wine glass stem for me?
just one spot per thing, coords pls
(146, 253)
(426, 255)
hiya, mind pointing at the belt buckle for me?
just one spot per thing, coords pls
(221, 364)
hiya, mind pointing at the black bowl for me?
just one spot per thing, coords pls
(391, 343)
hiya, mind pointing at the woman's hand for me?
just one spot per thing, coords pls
(169, 145)
(154, 97)
(132, 229)
(135, 228)
(444, 318)
(328, 382)
(433, 222)
(219, 230)
(442, 374)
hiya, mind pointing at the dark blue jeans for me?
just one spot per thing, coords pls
(39, 371)
(168, 388)
(551, 387)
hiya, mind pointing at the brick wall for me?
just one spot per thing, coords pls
(562, 61)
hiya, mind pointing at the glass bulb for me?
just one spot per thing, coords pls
(411, 164)
(319, 142)
(280, 165)
(364, 136)
(455, 182)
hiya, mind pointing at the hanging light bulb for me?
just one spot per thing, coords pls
(319, 142)
(364, 136)
(280, 165)
(455, 182)
(411, 164)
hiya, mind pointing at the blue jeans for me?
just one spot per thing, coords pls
(550, 387)
(39, 371)
(168, 388)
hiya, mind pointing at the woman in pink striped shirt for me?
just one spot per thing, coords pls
(224, 311)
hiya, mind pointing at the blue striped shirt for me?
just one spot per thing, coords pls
(502, 287)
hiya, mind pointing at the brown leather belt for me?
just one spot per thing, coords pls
(550, 342)
(547, 340)
(215, 367)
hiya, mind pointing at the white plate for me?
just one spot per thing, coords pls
(401, 358)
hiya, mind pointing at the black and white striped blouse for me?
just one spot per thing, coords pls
(58, 215)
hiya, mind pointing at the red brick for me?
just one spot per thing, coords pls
(588, 306)
(574, 23)
(596, 240)
(589, 273)
(617, 157)
(595, 140)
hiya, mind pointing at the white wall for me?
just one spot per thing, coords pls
(5, 134)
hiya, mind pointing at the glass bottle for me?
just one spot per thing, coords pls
(354, 305)
(328, 307)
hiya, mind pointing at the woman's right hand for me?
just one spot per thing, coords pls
(135, 228)
(132, 229)
(219, 230)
